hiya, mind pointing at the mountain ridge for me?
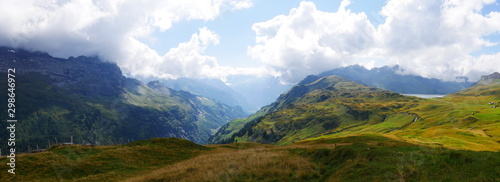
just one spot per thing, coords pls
(302, 97)
(92, 101)
(390, 78)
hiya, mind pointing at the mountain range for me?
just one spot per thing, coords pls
(245, 91)
(325, 128)
(252, 94)
(394, 79)
(90, 101)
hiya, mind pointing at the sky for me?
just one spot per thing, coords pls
(287, 39)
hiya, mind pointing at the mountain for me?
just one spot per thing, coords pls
(310, 108)
(258, 92)
(388, 78)
(90, 101)
(246, 91)
(488, 85)
(210, 88)
(332, 106)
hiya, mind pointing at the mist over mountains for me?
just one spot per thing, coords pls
(394, 79)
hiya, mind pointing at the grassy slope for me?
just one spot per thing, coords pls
(461, 121)
(355, 158)
(100, 163)
(298, 94)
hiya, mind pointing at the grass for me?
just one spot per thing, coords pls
(368, 157)
(456, 121)
(100, 163)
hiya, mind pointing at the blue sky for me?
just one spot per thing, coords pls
(235, 27)
(287, 39)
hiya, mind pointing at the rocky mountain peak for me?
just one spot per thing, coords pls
(489, 79)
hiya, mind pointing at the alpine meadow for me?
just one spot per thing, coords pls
(250, 90)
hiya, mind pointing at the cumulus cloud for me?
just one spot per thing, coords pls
(185, 60)
(112, 29)
(309, 41)
(436, 38)
(425, 37)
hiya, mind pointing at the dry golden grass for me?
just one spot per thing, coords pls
(227, 164)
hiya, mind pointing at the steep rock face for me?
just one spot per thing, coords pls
(82, 75)
(92, 101)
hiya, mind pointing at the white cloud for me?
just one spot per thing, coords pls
(431, 38)
(436, 38)
(242, 4)
(185, 60)
(111, 29)
(309, 41)
(426, 37)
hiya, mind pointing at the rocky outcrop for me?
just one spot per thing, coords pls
(488, 79)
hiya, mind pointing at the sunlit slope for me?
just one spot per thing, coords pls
(313, 107)
(355, 158)
(335, 107)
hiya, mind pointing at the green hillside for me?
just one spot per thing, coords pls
(100, 163)
(331, 107)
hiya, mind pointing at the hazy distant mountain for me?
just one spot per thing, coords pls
(387, 78)
(246, 91)
(211, 88)
(91, 101)
(258, 92)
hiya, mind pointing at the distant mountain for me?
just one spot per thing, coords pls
(388, 78)
(258, 92)
(211, 88)
(91, 101)
(246, 91)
